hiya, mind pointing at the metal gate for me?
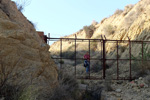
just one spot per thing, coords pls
(102, 58)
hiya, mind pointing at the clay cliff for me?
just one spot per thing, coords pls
(24, 57)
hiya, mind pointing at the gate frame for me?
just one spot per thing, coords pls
(103, 52)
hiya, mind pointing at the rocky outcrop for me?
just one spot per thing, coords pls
(24, 57)
(132, 22)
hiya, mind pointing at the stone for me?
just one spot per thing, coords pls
(140, 78)
(146, 86)
(118, 90)
(118, 95)
(119, 82)
(83, 86)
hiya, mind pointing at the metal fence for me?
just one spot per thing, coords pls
(102, 57)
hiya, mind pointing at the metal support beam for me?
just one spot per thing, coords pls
(89, 59)
(117, 62)
(75, 54)
(104, 59)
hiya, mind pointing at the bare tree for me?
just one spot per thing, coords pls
(21, 4)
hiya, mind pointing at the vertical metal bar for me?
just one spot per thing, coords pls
(60, 53)
(101, 54)
(142, 57)
(75, 55)
(117, 63)
(48, 37)
(104, 59)
(89, 59)
(130, 58)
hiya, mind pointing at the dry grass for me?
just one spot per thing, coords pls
(141, 67)
(21, 4)
(109, 30)
(118, 12)
(66, 90)
(9, 91)
(147, 80)
(89, 30)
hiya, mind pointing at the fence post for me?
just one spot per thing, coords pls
(48, 37)
(104, 59)
(75, 55)
(130, 57)
(60, 53)
(142, 57)
(89, 59)
(117, 63)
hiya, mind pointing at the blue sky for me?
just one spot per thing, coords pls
(64, 17)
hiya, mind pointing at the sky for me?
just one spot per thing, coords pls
(65, 17)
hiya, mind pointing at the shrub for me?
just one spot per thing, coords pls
(33, 24)
(107, 85)
(122, 48)
(138, 66)
(21, 4)
(109, 30)
(128, 7)
(108, 80)
(89, 30)
(118, 12)
(61, 62)
(129, 19)
(96, 67)
(67, 88)
(68, 54)
(147, 80)
(94, 22)
(93, 46)
(9, 91)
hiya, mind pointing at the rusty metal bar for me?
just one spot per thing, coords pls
(61, 53)
(101, 52)
(89, 59)
(105, 37)
(117, 62)
(98, 39)
(101, 37)
(130, 58)
(75, 54)
(142, 56)
(48, 37)
(104, 60)
(101, 59)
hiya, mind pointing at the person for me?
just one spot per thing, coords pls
(87, 62)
